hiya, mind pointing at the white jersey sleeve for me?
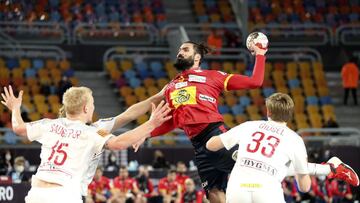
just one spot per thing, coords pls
(34, 130)
(100, 138)
(299, 158)
(233, 136)
(105, 124)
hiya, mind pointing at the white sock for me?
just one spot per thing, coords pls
(319, 169)
(314, 169)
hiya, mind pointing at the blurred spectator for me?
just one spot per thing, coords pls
(340, 192)
(6, 162)
(291, 193)
(112, 162)
(350, 78)
(169, 188)
(159, 160)
(331, 123)
(145, 184)
(99, 188)
(181, 176)
(45, 88)
(124, 188)
(191, 195)
(232, 39)
(64, 84)
(215, 40)
(17, 174)
(319, 192)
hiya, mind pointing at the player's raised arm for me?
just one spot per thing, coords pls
(158, 116)
(13, 104)
(237, 81)
(136, 110)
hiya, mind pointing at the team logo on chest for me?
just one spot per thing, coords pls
(183, 96)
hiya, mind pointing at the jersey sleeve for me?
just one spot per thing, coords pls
(232, 137)
(105, 124)
(299, 157)
(34, 130)
(221, 79)
(100, 137)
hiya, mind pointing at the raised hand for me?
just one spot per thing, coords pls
(159, 114)
(9, 99)
(257, 50)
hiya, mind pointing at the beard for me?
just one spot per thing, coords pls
(182, 63)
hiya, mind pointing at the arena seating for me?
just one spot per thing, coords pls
(331, 13)
(39, 78)
(212, 11)
(80, 11)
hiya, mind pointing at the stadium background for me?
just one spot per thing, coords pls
(123, 50)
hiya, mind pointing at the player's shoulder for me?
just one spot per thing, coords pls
(103, 121)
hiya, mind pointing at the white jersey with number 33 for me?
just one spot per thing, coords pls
(67, 148)
(266, 149)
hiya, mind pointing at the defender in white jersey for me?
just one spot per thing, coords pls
(266, 150)
(68, 144)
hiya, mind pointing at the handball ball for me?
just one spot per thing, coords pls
(258, 39)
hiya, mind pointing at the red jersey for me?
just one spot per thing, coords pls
(193, 95)
(99, 186)
(170, 187)
(181, 179)
(339, 189)
(124, 185)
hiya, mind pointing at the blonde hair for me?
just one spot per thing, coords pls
(280, 107)
(75, 98)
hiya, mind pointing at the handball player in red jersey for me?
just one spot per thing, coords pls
(193, 96)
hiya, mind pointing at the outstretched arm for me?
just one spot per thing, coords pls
(158, 116)
(13, 104)
(237, 82)
(136, 110)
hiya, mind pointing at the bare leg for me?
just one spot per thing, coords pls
(216, 196)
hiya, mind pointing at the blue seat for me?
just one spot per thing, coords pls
(224, 109)
(38, 64)
(12, 63)
(143, 73)
(294, 83)
(134, 82)
(69, 73)
(30, 73)
(245, 101)
(237, 109)
(156, 66)
(10, 138)
(129, 74)
(325, 100)
(267, 91)
(141, 66)
(312, 100)
(159, 74)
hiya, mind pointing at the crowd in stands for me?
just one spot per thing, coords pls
(330, 12)
(73, 12)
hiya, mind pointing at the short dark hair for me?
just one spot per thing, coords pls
(200, 48)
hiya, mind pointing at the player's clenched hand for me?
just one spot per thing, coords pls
(9, 99)
(258, 51)
(159, 114)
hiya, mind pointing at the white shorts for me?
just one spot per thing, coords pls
(254, 195)
(52, 195)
